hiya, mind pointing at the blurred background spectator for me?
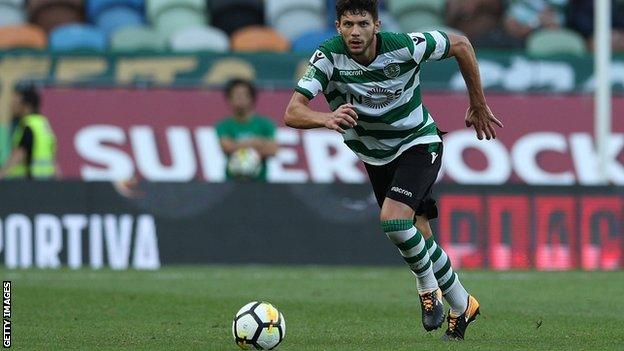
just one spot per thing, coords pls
(247, 138)
(33, 147)
(580, 17)
(526, 16)
(482, 21)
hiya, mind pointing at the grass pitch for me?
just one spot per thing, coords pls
(326, 308)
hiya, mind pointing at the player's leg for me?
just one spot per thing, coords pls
(462, 304)
(413, 174)
(463, 307)
(397, 223)
(411, 244)
(448, 281)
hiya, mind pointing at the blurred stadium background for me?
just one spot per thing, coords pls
(133, 89)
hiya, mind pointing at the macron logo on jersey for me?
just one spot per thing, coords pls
(318, 56)
(417, 40)
(353, 73)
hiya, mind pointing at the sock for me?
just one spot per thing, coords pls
(452, 289)
(412, 247)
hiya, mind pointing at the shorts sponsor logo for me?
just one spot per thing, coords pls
(401, 191)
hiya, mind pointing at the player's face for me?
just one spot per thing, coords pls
(241, 99)
(358, 30)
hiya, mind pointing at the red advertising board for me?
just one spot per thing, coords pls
(542, 228)
(168, 135)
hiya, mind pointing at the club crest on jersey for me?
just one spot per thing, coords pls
(392, 70)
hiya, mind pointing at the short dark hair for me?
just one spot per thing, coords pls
(357, 7)
(29, 96)
(229, 87)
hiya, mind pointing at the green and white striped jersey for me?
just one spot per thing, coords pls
(386, 93)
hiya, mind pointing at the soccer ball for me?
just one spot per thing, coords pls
(245, 163)
(258, 325)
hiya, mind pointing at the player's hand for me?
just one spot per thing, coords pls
(483, 121)
(344, 117)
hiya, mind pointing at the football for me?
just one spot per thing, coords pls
(245, 163)
(258, 325)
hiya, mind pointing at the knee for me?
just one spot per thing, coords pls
(392, 210)
(422, 224)
(390, 216)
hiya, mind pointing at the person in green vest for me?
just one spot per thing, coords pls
(33, 144)
(246, 138)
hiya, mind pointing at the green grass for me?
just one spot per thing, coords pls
(325, 308)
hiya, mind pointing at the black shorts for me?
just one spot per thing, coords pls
(409, 178)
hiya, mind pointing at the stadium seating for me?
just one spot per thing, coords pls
(547, 42)
(23, 36)
(49, 14)
(131, 39)
(388, 22)
(257, 38)
(308, 42)
(200, 39)
(12, 12)
(77, 37)
(170, 16)
(409, 22)
(95, 7)
(182, 25)
(231, 15)
(412, 14)
(445, 29)
(111, 15)
(118, 17)
(292, 18)
(400, 7)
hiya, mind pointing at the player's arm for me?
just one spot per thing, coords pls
(479, 114)
(299, 115)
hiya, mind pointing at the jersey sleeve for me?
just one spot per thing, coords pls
(317, 76)
(433, 45)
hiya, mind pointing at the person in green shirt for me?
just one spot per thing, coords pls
(245, 136)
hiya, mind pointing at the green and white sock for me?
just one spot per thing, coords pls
(412, 247)
(452, 289)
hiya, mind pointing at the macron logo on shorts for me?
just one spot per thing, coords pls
(401, 191)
